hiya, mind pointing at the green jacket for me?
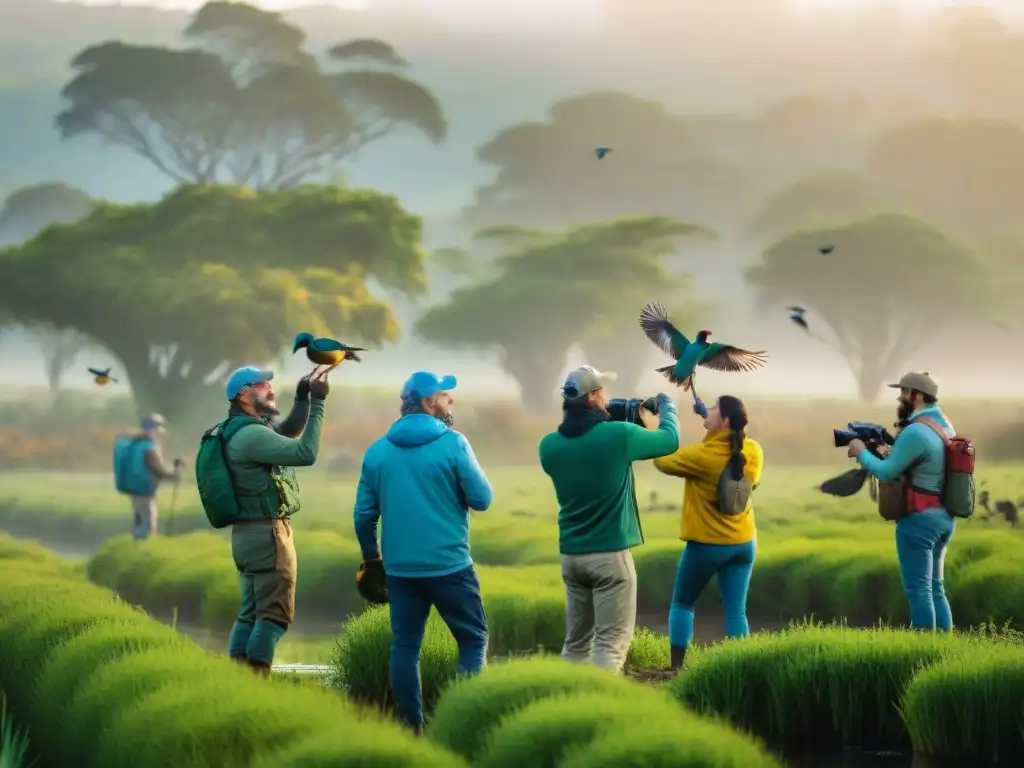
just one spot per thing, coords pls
(593, 479)
(262, 457)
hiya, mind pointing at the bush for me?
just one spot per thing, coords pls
(97, 683)
(470, 708)
(562, 728)
(812, 684)
(969, 707)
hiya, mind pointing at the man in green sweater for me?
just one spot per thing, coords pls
(589, 460)
(261, 455)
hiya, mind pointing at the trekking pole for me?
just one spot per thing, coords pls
(170, 514)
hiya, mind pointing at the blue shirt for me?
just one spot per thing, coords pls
(421, 479)
(917, 448)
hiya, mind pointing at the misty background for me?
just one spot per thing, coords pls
(770, 93)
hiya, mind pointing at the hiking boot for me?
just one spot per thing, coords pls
(259, 667)
(678, 656)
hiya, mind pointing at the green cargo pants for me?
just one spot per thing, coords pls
(264, 553)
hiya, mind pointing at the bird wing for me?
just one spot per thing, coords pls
(659, 329)
(97, 372)
(327, 345)
(725, 357)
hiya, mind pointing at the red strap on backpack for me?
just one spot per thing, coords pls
(959, 458)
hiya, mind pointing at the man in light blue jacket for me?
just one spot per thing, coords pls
(924, 533)
(422, 479)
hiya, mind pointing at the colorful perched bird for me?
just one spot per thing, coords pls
(688, 355)
(796, 314)
(327, 352)
(102, 376)
(601, 152)
(827, 249)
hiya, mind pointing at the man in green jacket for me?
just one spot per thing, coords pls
(589, 460)
(261, 455)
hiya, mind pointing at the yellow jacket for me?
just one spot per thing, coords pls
(702, 464)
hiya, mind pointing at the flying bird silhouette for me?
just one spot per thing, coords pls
(601, 152)
(329, 352)
(827, 249)
(796, 314)
(102, 376)
(691, 354)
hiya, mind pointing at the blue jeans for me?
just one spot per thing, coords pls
(921, 542)
(457, 599)
(699, 562)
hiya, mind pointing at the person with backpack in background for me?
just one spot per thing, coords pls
(246, 479)
(721, 473)
(139, 468)
(420, 480)
(935, 472)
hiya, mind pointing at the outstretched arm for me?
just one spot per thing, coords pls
(909, 447)
(265, 446)
(651, 443)
(293, 424)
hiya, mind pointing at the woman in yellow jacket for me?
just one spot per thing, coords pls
(716, 543)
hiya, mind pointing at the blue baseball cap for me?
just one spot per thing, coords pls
(245, 377)
(424, 384)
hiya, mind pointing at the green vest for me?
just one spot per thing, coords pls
(278, 496)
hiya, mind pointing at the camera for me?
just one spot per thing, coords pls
(851, 481)
(628, 409)
(873, 435)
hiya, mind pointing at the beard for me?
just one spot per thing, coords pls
(904, 410)
(445, 417)
(266, 407)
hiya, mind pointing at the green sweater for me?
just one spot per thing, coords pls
(261, 461)
(593, 479)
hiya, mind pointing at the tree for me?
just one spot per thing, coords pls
(24, 213)
(248, 104)
(555, 289)
(892, 284)
(548, 174)
(822, 199)
(928, 165)
(211, 278)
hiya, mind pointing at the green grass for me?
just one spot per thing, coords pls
(14, 746)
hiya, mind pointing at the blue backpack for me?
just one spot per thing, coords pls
(131, 475)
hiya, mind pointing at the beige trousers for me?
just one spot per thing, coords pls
(600, 607)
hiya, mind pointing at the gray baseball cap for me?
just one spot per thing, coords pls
(919, 380)
(584, 380)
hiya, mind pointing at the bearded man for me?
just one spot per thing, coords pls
(261, 454)
(421, 479)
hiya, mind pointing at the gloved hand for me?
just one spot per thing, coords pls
(371, 581)
(319, 387)
(700, 409)
(651, 404)
(661, 399)
(302, 388)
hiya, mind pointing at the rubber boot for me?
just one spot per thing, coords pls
(678, 655)
(259, 667)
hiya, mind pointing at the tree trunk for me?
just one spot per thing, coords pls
(536, 372)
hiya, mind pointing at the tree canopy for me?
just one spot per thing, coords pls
(214, 277)
(555, 288)
(247, 104)
(892, 284)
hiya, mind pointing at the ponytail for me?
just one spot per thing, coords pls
(732, 408)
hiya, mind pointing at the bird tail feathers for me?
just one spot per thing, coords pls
(669, 373)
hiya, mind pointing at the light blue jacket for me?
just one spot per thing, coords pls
(917, 448)
(422, 479)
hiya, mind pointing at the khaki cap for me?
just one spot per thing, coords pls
(919, 380)
(584, 380)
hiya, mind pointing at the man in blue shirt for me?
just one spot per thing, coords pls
(421, 479)
(923, 534)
